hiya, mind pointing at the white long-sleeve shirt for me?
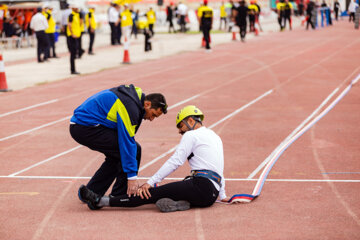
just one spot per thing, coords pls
(38, 22)
(208, 152)
(113, 15)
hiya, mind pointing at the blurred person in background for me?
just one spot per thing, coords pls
(91, 26)
(39, 24)
(151, 18)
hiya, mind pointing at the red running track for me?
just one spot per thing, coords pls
(311, 193)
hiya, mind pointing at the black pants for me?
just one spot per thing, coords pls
(352, 17)
(199, 191)
(182, 23)
(91, 43)
(287, 18)
(113, 33)
(104, 140)
(171, 25)
(336, 14)
(309, 22)
(151, 28)
(80, 50)
(242, 27)
(73, 44)
(147, 40)
(51, 37)
(42, 45)
(206, 33)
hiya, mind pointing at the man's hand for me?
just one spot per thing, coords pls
(132, 188)
(144, 191)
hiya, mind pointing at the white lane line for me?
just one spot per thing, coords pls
(34, 129)
(179, 179)
(212, 126)
(27, 108)
(184, 101)
(292, 134)
(46, 160)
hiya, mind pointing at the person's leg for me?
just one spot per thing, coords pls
(104, 140)
(47, 46)
(199, 192)
(72, 42)
(206, 33)
(120, 185)
(91, 43)
(38, 47)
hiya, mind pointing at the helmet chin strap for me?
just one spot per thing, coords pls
(190, 128)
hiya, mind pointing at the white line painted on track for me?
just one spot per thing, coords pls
(44, 161)
(34, 129)
(212, 126)
(292, 134)
(179, 179)
(27, 108)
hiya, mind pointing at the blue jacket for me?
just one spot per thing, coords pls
(120, 108)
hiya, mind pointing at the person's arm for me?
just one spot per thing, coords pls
(128, 150)
(183, 150)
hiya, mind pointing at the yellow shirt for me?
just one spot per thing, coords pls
(280, 6)
(90, 19)
(223, 13)
(205, 12)
(253, 8)
(74, 21)
(151, 16)
(51, 22)
(126, 19)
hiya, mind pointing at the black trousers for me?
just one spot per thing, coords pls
(206, 33)
(151, 28)
(73, 44)
(42, 45)
(92, 39)
(51, 37)
(80, 50)
(309, 22)
(104, 140)
(242, 27)
(113, 33)
(199, 191)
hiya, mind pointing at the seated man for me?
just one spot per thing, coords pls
(204, 151)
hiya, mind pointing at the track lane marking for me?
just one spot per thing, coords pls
(29, 107)
(178, 179)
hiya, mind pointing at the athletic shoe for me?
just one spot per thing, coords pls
(169, 205)
(79, 195)
(89, 197)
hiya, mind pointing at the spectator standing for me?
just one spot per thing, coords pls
(151, 18)
(135, 19)
(240, 18)
(223, 16)
(353, 5)
(126, 22)
(182, 10)
(91, 26)
(74, 33)
(205, 15)
(309, 14)
(50, 31)
(113, 15)
(336, 9)
(38, 24)
(288, 11)
(170, 16)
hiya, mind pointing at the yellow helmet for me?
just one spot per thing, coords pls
(187, 111)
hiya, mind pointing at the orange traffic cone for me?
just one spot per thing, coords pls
(203, 43)
(126, 59)
(234, 36)
(3, 84)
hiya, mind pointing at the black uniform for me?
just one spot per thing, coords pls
(206, 24)
(241, 19)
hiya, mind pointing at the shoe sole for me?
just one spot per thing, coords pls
(169, 205)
